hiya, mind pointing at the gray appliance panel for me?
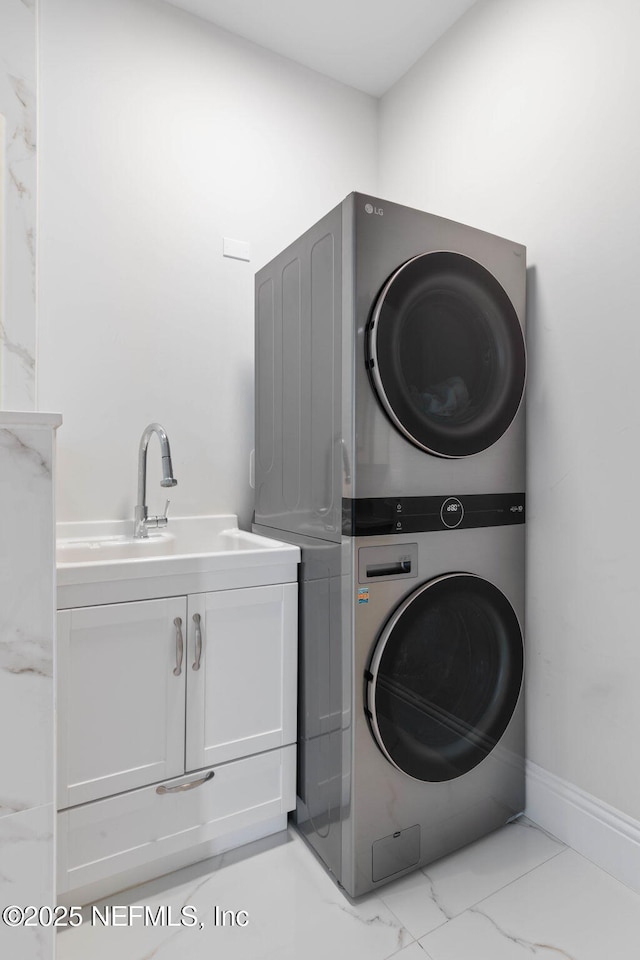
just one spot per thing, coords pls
(325, 682)
(396, 853)
(298, 458)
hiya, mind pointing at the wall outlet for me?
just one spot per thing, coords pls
(236, 249)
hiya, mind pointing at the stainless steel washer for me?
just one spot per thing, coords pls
(411, 713)
(437, 748)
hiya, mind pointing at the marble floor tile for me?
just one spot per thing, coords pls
(426, 899)
(413, 952)
(294, 910)
(475, 872)
(566, 908)
(411, 899)
(526, 896)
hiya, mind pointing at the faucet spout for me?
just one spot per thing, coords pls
(142, 520)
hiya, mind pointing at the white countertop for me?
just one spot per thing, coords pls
(30, 418)
(101, 562)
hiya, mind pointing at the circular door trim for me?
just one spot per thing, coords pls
(380, 647)
(373, 359)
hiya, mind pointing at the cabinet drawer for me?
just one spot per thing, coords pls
(110, 836)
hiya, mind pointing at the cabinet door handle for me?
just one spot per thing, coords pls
(177, 670)
(185, 786)
(196, 662)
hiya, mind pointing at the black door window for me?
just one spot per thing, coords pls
(445, 677)
(446, 354)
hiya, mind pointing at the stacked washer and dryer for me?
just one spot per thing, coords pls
(390, 446)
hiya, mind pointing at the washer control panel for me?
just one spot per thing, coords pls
(379, 516)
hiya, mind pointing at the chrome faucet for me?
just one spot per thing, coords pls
(142, 521)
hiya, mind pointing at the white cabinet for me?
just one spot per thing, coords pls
(157, 690)
(242, 663)
(120, 704)
(123, 837)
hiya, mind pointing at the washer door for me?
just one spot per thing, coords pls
(446, 354)
(445, 677)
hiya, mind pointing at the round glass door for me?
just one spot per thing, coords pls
(445, 677)
(446, 354)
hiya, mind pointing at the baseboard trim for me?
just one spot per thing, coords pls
(602, 834)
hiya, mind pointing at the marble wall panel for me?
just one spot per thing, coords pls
(18, 299)
(27, 738)
(26, 871)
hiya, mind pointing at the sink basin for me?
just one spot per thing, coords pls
(94, 543)
(101, 562)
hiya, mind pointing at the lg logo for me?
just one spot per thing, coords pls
(369, 208)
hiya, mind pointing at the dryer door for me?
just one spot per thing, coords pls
(445, 677)
(446, 354)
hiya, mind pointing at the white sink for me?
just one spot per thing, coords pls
(101, 562)
(106, 541)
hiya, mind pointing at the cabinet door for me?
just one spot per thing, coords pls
(241, 699)
(120, 699)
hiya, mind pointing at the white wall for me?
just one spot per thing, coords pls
(523, 120)
(18, 204)
(161, 134)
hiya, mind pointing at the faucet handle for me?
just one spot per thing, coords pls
(159, 521)
(162, 521)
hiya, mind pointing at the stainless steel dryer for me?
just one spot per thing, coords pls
(390, 364)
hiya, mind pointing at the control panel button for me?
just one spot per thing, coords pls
(452, 512)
